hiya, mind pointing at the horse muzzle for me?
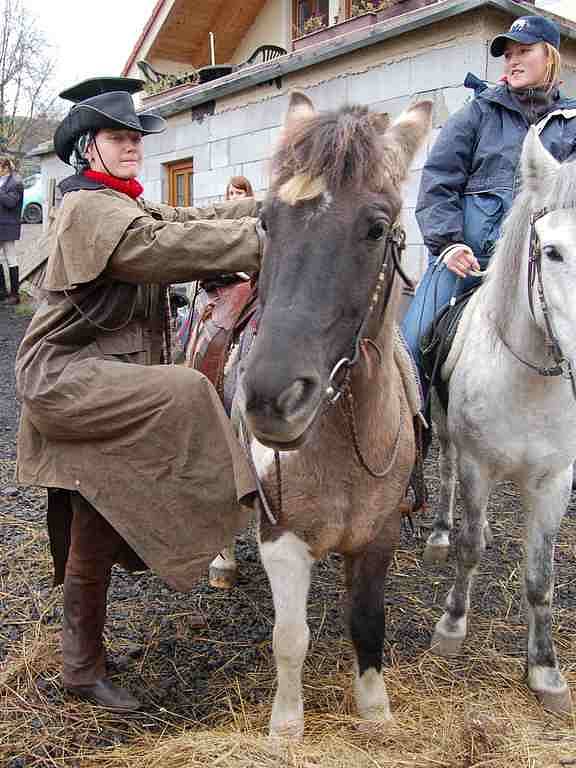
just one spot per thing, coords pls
(282, 419)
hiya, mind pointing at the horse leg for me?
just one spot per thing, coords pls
(288, 563)
(545, 504)
(438, 542)
(365, 576)
(450, 631)
(222, 571)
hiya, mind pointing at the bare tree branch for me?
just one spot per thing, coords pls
(26, 70)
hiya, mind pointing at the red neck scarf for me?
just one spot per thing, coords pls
(130, 187)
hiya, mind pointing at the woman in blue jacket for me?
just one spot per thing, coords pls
(470, 177)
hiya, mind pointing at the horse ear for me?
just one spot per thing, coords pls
(299, 106)
(404, 137)
(536, 163)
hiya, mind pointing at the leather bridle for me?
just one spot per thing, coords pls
(563, 365)
(394, 245)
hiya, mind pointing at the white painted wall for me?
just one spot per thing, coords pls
(566, 8)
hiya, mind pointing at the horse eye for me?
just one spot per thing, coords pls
(552, 253)
(376, 231)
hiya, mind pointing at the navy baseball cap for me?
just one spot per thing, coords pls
(528, 30)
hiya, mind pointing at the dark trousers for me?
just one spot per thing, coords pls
(94, 548)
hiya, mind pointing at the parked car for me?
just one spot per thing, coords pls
(33, 199)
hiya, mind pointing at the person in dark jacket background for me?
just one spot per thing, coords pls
(11, 194)
(471, 175)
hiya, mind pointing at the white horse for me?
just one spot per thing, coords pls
(512, 406)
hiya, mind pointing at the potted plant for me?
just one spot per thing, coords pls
(313, 24)
(316, 30)
(369, 6)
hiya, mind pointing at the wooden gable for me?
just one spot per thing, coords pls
(183, 37)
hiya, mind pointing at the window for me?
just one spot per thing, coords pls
(181, 183)
(310, 15)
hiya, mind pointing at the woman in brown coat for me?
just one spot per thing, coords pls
(139, 458)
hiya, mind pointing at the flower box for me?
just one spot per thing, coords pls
(335, 30)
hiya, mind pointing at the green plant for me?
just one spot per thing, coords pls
(170, 81)
(313, 24)
(369, 6)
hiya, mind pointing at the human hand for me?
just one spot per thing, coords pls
(460, 259)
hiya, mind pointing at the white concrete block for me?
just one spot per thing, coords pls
(438, 68)
(258, 174)
(219, 153)
(254, 145)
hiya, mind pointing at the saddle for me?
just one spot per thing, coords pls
(437, 340)
(227, 309)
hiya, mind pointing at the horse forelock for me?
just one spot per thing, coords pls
(504, 274)
(327, 153)
(301, 187)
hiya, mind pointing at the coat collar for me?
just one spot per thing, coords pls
(77, 182)
(500, 94)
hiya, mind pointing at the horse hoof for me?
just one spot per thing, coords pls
(291, 731)
(446, 645)
(436, 553)
(376, 715)
(559, 702)
(222, 578)
(374, 726)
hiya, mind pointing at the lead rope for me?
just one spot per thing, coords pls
(348, 408)
(259, 487)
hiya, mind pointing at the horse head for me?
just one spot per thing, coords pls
(334, 199)
(551, 189)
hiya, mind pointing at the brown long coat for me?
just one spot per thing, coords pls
(149, 446)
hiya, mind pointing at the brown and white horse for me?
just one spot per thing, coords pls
(329, 295)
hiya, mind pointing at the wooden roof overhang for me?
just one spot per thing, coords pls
(183, 37)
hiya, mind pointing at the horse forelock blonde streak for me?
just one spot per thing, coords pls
(301, 187)
(506, 287)
(330, 152)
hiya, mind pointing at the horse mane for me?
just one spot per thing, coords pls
(505, 265)
(328, 152)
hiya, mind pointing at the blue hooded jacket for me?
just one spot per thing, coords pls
(472, 172)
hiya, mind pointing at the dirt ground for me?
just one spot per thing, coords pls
(208, 691)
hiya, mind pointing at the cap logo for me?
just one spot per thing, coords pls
(519, 25)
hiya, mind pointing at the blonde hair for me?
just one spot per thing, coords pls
(553, 66)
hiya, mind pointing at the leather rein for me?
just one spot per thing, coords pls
(339, 379)
(563, 365)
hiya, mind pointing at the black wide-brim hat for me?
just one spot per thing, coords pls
(104, 102)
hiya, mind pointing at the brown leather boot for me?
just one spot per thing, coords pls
(107, 695)
(83, 647)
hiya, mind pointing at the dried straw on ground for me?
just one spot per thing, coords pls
(208, 690)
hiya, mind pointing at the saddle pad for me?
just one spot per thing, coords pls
(437, 340)
(408, 373)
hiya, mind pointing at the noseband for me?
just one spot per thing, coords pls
(563, 365)
(394, 245)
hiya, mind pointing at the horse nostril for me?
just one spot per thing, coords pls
(293, 397)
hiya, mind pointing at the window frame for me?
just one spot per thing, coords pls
(296, 31)
(175, 170)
